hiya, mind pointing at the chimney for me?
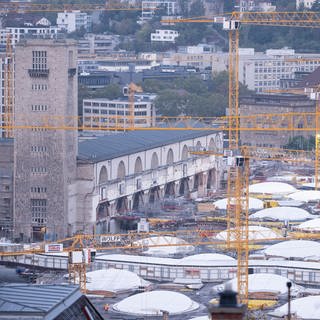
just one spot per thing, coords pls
(228, 308)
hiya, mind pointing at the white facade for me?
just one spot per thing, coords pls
(149, 7)
(105, 113)
(304, 3)
(263, 71)
(255, 5)
(74, 20)
(98, 44)
(164, 36)
(106, 182)
(26, 32)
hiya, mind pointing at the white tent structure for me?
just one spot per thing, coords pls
(276, 188)
(262, 282)
(164, 246)
(151, 303)
(305, 195)
(201, 318)
(254, 204)
(294, 249)
(114, 280)
(304, 308)
(206, 257)
(282, 214)
(283, 178)
(310, 225)
(255, 233)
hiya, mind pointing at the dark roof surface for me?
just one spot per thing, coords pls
(313, 79)
(39, 299)
(121, 144)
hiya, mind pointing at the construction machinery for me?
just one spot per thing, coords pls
(130, 92)
(238, 159)
(232, 25)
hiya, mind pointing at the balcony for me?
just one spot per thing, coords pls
(38, 73)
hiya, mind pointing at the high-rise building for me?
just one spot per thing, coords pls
(45, 159)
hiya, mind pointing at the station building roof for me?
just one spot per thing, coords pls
(121, 144)
(26, 301)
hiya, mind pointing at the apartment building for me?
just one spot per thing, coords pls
(255, 5)
(106, 113)
(304, 4)
(164, 36)
(263, 71)
(71, 21)
(45, 159)
(97, 44)
(149, 8)
(19, 33)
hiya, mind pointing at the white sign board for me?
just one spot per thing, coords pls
(53, 247)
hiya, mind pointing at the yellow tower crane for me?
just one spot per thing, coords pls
(232, 24)
(132, 89)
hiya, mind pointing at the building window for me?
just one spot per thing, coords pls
(39, 60)
(39, 87)
(38, 148)
(38, 170)
(38, 189)
(39, 107)
(39, 211)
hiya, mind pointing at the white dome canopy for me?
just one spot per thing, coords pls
(255, 233)
(206, 257)
(305, 195)
(164, 246)
(299, 249)
(304, 308)
(310, 225)
(114, 280)
(150, 303)
(201, 318)
(262, 282)
(282, 214)
(284, 178)
(253, 203)
(272, 188)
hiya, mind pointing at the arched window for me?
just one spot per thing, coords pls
(154, 161)
(138, 166)
(212, 144)
(170, 157)
(185, 153)
(121, 170)
(103, 176)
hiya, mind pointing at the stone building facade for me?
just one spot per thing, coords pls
(45, 159)
(272, 104)
(6, 187)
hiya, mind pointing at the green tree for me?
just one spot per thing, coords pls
(171, 102)
(196, 9)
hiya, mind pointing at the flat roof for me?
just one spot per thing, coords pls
(117, 145)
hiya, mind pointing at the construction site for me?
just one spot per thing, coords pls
(163, 217)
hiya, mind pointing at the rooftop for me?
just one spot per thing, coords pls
(121, 144)
(36, 300)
